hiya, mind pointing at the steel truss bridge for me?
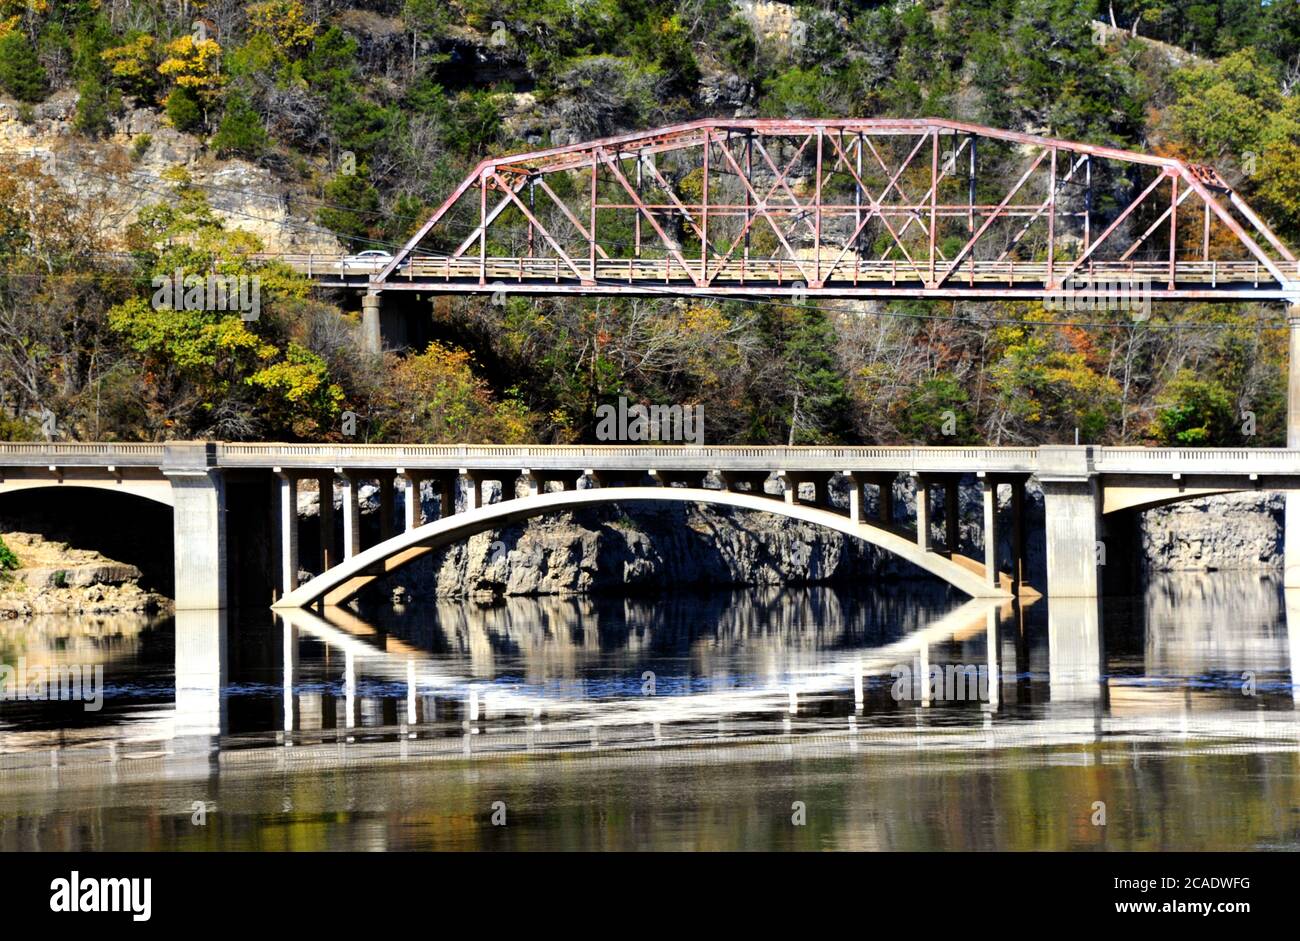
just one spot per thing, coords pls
(861, 208)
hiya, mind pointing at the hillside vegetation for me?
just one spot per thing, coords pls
(376, 110)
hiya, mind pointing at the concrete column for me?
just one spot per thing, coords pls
(532, 486)
(288, 531)
(922, 511)
(370, 331)
(1071, 522)
(412, 511)
(789, 487)
(351, 513)
(989, 496)
(1018, 568)
(447, 495)
(885, 502)
(328, 554)
(855, 496)
(1291, 515)
(385, 505)
(199, 534)
(951, 517)
(473, 496)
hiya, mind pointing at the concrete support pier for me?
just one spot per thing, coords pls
(371, 333)
(328, 554)
(198, 526)
(923, 509)
(989, 499)
(1071, 511)
(351, 512)
(287, 530)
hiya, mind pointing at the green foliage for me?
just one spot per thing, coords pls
(183, 109)
(93, 106)
(8, 560)
(21, 72)
(1195, 412)
(353, 206)
(936, 412)
(241, 131)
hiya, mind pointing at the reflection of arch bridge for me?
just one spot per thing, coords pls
(1081, 484)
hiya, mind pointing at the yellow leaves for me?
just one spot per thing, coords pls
(132, 63)
(195, 65)
(284, 21)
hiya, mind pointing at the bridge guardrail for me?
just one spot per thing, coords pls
(958, 459)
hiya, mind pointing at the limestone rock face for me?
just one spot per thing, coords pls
(637, 547)
(56, 578)
(122, 173)
(1240, 531)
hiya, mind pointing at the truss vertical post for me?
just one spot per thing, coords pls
(1173, 228)
(482, 228)
(1205, 234)
(817, 210)
(704, 210)
(637, 218)
(1051, 221)
(591, 228)
(532, 205)
(749, 181)
(970, 195)
(934, 193)
(1087, 201)
(857, 198)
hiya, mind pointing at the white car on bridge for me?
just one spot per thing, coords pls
(370, 261)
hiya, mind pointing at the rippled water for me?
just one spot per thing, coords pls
(725, 720)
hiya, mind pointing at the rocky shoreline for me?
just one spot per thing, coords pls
(54, 578)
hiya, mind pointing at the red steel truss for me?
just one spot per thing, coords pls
(885, 208)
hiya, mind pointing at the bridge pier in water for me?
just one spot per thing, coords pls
(198, 525)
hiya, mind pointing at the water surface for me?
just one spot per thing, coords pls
(705, 721)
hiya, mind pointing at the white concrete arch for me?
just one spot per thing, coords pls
(157, 491)
(343, 581)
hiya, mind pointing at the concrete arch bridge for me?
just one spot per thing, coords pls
(230, 499)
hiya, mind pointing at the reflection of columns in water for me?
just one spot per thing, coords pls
(1293, 638)
(292, 719)
(412, 714)
(200, 672)
(349, 689)
(923, 672)
(1075, 655)
(991, 643)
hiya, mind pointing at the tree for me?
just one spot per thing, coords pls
(354, 206)
(1194, 412)
(21, 72)
(286, 22)
(241, 131)
(195, 66)
(134, 67)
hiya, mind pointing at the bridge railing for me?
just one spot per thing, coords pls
(1117, 460)
(74, 453)
(958, 459)
(829, 267)
(629, 457)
